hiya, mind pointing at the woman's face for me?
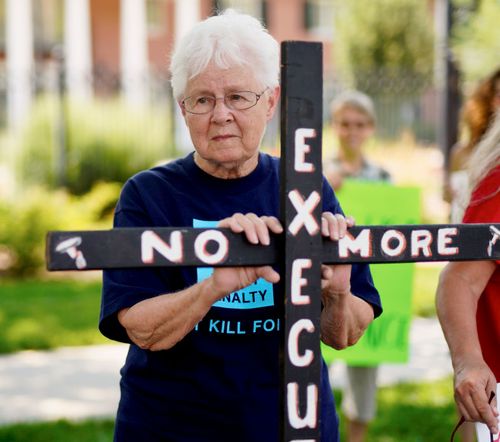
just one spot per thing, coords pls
(227, 141)
(353, 128)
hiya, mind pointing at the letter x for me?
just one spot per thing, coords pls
(305, 211)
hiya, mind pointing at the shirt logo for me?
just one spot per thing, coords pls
(256, 295)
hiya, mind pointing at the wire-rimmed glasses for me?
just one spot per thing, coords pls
(204, 104)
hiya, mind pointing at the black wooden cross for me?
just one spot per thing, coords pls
(300, 250)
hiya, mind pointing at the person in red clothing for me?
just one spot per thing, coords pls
(468, 295)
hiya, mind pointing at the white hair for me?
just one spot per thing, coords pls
(355, 100)
(228, 39)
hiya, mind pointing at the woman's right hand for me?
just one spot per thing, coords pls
(474, 382)
(257, 230)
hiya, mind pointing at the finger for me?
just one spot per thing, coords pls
(324, 226)
(273, 224)
(249, 227)
(231, 223)
(463, 398)
(337, 225)
(484, 408)
(268, 273)
(342, 224)
(329, 225)
(495, 427)
(326, 274)
(351, 222)
(474, 406)
(326, 271)
(260, 228)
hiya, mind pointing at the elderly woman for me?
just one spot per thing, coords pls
(203, 361)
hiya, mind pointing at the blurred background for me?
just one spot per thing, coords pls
(85, 102)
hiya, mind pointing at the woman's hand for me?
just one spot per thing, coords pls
(344, 316)
(335, 279)
(257, 231)
(474, 382)
(461, 285)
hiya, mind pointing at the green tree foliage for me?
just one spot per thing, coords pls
(380, 43)
(476, 37)
(25, 221)
(105, 141)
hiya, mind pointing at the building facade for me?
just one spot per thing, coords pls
(108, 47)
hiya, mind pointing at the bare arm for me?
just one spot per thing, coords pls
(460, 287)
(159, 323)
(344, 317)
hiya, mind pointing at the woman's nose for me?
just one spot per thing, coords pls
(221, 112)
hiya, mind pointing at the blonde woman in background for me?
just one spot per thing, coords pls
(353, 121)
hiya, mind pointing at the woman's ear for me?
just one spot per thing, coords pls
(272, 101)
(183, 111)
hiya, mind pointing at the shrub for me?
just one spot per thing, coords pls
(25, 222)
(105, 141)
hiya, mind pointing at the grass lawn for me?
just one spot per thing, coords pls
(407, 412)
(39, 314)
(59, 431)
(414, 413)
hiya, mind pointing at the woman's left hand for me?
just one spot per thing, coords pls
(335, 279)
(344, 316)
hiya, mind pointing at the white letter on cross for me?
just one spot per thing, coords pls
(311, 417)
(293, 343)
(301, 148)
(150, 242)
(304, 212)
(298, 282)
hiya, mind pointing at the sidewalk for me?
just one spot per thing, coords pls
(429, 358)
(72, 382)
(81, 382)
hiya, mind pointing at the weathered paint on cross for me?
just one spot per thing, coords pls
(171, 246)
(300, 251)
(301, 207)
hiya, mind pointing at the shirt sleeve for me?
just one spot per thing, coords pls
(123, 288)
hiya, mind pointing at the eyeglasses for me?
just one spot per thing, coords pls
(462, 420)
(239, 100)
(353, 124)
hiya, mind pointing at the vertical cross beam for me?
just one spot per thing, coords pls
(301, 128)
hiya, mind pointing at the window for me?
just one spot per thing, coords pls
(254, 8)
(319, 17)
(156, 16)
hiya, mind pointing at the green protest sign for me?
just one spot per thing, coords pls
(386, 339)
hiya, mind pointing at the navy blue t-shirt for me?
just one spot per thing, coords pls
(222, 381)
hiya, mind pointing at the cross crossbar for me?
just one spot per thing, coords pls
(170, 246)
